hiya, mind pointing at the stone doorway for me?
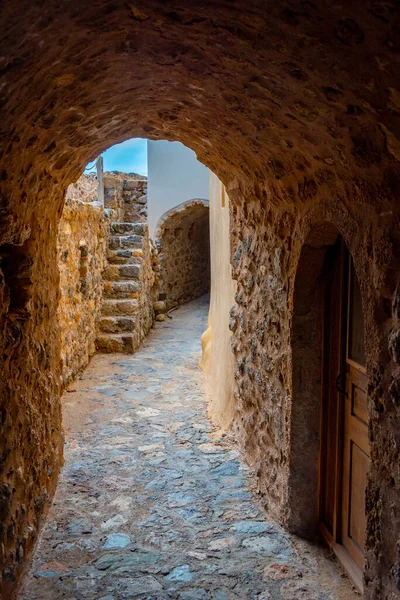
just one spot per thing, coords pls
(345, 451)
(330, 449)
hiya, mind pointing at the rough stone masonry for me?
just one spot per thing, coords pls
(295, 106)
(153, 504)
(182, 238)
(82, 236)
(107, 284)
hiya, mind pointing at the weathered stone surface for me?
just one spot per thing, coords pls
(109, 343)
(84, 189)
(5, 501)
(160, 306)
(394, 345)
(182, 238)
(119, 307)
(129, 289)
(142, 512)
(394, 391)
(121, 289)
(286, 104)
(117, 541)
(121, 272)
(116, 324)
(125, 194)
(82, 241)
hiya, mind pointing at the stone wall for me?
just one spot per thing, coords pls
(129, 284)
(148, 289)
(296, 108)
(129, 289)
(84, 189)
(182, 238)
(272, 430)
(126, 195)
(82, 240)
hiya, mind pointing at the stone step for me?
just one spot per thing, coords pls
(125, 241)
(110, 307)
(117, 272)
(126, 256)
(117, 324)
(129, 228)
(121, 289)
(122, 342)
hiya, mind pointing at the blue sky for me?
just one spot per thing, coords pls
(128, 157)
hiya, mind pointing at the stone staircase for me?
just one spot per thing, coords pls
(120, 325)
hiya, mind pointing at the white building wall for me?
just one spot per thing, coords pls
(174, 176)
(217, 358)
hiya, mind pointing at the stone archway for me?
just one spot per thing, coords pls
(330, 419)
(182, 237)
(306, 344)
(293, 107)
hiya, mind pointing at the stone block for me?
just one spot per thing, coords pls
(132, 241)
(160, 306)
(111, 273)
(121, 289)
(115, 343)
(129, 271)
(113, 324)
(119, 307)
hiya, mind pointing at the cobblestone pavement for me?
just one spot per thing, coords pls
(151, 504)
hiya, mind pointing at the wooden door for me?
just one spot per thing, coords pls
(344, 431)
(355, 438)
(334, 346)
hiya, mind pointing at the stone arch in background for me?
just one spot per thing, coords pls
(182, 238)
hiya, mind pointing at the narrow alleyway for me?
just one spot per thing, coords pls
(151, 505)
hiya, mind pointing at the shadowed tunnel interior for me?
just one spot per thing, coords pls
(296, 107)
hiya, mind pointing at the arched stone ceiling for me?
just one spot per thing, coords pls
(277, 98)
(292, 104)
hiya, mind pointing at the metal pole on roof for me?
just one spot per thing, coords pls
(100, 183)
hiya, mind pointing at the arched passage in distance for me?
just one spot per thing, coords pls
(182, 238)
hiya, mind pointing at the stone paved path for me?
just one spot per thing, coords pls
(151, 505)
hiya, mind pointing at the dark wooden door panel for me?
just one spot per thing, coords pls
(344, 426)
(359, 403)
(334, 335)
(359, 463)
(355, 443)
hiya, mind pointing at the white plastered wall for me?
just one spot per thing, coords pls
(217, 358)
(174, 176)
